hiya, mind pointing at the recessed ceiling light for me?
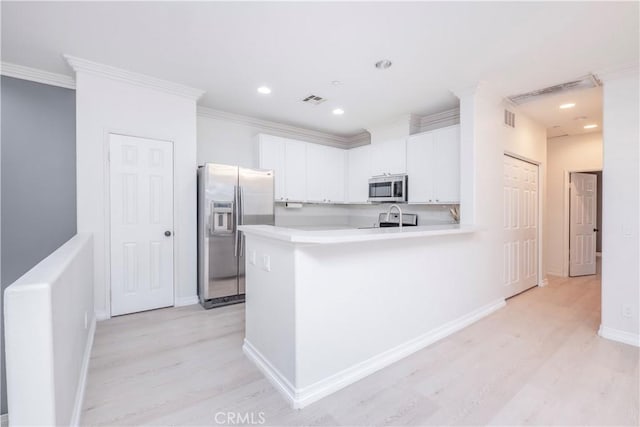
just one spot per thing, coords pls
(383, 64)
(567, 105)
(590, 126)
(338, 111)
(264, 90)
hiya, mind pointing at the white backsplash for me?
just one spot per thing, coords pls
(356, 215)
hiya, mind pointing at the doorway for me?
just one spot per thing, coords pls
(585, 222)
(520, 218)
(141, 232)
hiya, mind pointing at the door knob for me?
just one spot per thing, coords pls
(167, 233)
(595, 229)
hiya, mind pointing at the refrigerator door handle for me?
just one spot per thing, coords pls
(241, 219)
(236, 222)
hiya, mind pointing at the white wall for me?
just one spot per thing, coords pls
(106, 105)
(485, 140)
(571, 153)
(49, 331)
(621, 213)
(231, 139)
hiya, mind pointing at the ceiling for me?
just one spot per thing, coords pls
(299, 48)
(568, 121)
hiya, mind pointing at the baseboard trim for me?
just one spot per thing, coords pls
(82, 380)
(301, 397)
(619, 336)
(182, 301)
(102, 315)
(544, 282)
(273, 375)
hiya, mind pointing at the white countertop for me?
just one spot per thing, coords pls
(346, 235)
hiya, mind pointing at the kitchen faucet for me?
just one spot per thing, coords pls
(399, 214)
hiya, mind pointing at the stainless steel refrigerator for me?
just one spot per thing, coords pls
(228, 196)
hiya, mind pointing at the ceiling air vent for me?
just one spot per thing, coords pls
(586, 82)
(510, 118)
(313, 100)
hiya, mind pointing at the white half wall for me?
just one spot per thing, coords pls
(621, 208)
(49, 325)
(567, 154)
(115, 101)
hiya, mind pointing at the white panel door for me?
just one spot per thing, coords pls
(582, 228)
(141, 190)
(520, 246)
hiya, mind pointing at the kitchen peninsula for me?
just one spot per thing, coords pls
(409, 285)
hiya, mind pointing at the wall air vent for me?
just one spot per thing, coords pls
(587, 82)
(313, 100)
(510, 118)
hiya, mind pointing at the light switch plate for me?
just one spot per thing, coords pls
(266, 262)
(252, 257)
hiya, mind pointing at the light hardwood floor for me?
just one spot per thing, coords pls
(538, 361)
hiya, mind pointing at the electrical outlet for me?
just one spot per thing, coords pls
(627, 311)
(266, 262)
(252, 257)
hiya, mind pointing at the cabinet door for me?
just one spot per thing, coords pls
(420, 162)
(358, 174)
(295, 165)
(447, 165)
(317, 172)
(335, 171)
(388, 157)
(271, 150)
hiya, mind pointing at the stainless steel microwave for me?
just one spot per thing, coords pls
(388, 188)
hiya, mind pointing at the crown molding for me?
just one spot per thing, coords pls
(439, 120)
(137, 79)
(35, 75)
(286, 130)
(630, 69)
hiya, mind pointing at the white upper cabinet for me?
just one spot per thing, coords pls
(271, 156)
(388, 157)
(433, 166)
(287, 158)
(325, 174)
(447, 165)
(358, 174)
(295, 182)
(419, 169)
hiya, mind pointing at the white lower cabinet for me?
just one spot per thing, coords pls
(286, 157)
(325, 174)
(433, 166)
(358, 174)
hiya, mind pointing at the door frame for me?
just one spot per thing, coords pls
(542, 278)
(566, 215)
(107, 211)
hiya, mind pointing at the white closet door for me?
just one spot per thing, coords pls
(520, 248)
(141, 181)
(582, 228)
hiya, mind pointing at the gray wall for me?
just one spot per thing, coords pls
(38, 182)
